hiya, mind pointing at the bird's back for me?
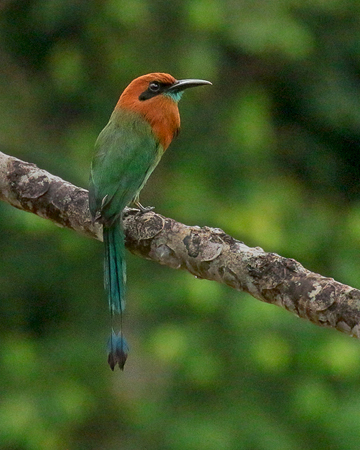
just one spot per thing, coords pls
(127, 151)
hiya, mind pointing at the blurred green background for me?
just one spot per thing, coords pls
(269, 153)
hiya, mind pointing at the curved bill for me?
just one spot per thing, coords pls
(180, 85)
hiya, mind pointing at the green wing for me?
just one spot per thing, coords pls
(126, 154)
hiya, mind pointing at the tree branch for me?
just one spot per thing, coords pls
(204, 252)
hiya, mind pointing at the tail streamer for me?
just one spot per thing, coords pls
(115, 280)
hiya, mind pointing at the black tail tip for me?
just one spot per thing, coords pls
(117, 351)
(117, 358)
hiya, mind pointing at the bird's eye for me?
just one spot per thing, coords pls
(154, 86)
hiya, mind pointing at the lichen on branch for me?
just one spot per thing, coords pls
(208, 253)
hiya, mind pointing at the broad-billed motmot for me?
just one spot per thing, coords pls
(141, 127)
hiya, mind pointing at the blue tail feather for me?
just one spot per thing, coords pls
(115, 266)
(114, 280)
(117, 350)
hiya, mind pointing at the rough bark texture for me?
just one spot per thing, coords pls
(31, 189)
(204, 252)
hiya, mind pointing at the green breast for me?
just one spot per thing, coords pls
(126, 154)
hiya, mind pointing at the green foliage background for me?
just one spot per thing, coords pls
(270, 154)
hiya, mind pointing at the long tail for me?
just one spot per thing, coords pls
(114, 280)
(115, 266)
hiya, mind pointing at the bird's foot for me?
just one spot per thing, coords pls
(144, 209)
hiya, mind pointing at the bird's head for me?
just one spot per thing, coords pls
(155, 96)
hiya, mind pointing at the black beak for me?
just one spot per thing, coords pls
(180, 85)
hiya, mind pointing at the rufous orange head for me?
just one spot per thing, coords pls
(155, 96)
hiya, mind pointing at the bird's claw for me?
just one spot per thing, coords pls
(144, 209)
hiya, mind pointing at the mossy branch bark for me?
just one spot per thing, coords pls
(208, 253)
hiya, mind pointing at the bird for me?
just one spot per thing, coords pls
(144, 122)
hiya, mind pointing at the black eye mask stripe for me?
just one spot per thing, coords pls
(146, 95)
